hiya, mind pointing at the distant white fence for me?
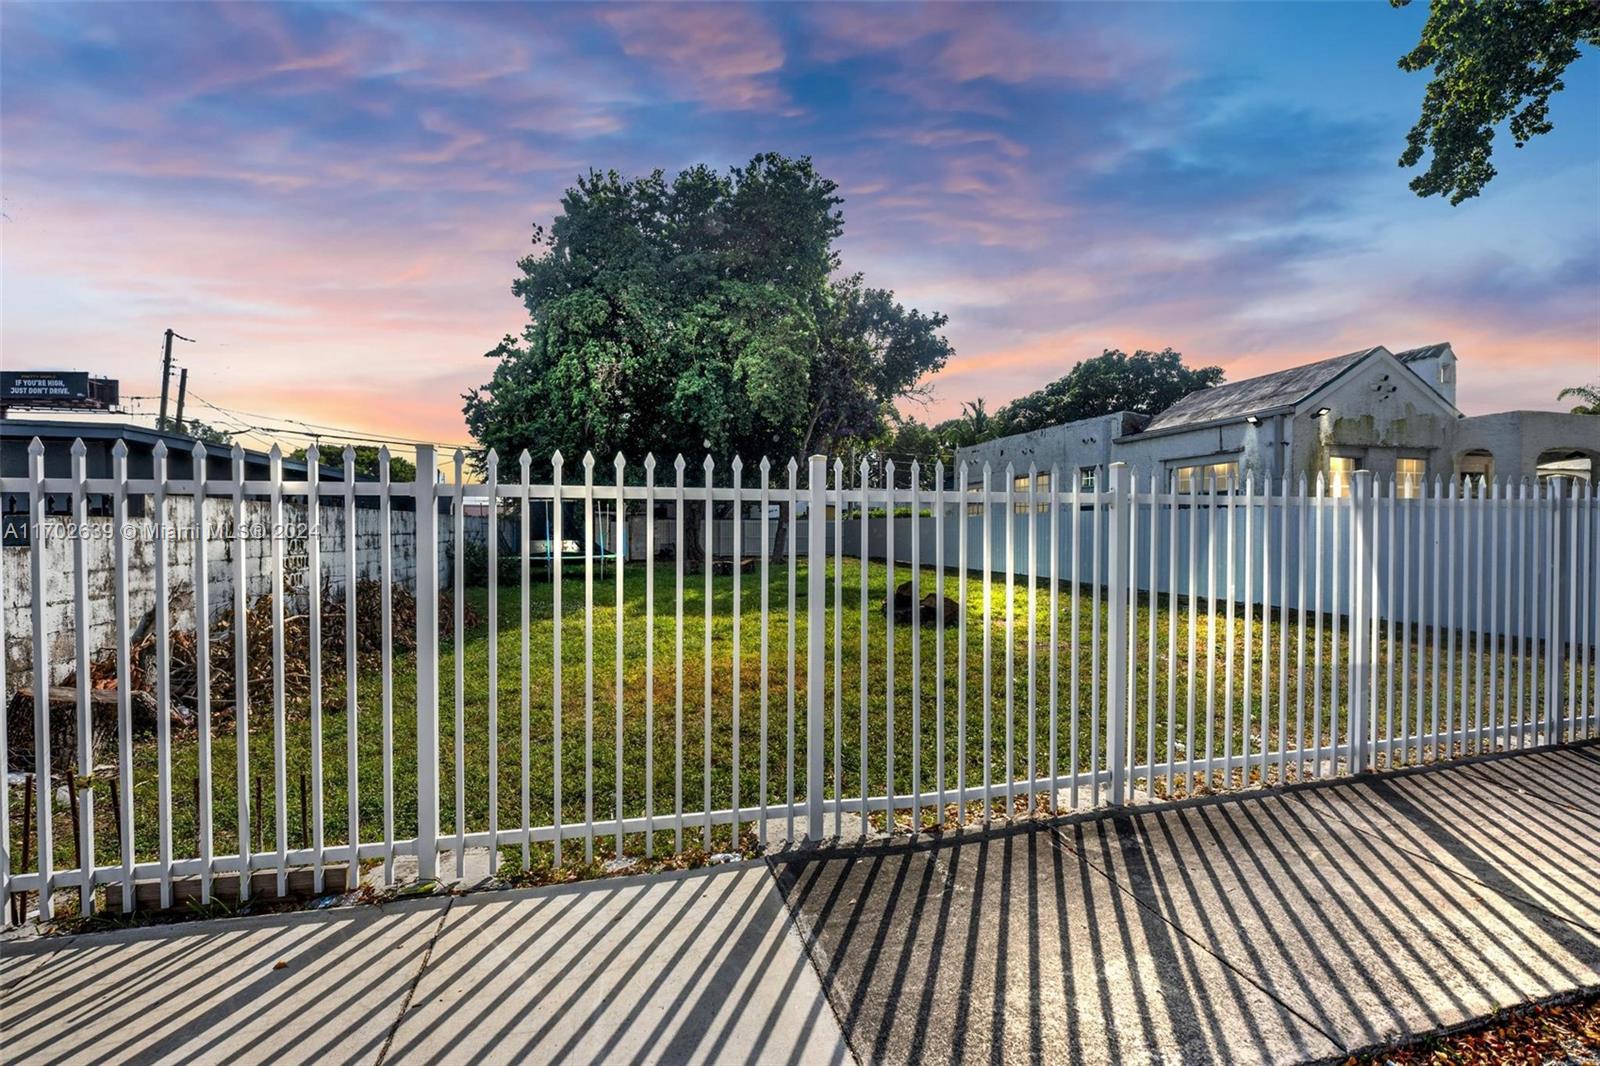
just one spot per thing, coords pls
(1095, 645)
(1462, 539)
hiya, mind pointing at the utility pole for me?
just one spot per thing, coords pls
(183, 388)
(166, 375)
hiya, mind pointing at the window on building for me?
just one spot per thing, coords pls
(1408, 477)
(1019, 494)
(975, 488)
(1042, 483)
(1447, 373)
(1199, 478)
(1088, 478)
(1341, 474)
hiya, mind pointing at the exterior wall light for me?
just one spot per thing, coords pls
(1319, 412)
(1252, 420)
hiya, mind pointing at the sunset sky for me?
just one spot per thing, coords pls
(331, 199)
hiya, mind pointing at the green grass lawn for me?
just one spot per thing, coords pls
(661, 725)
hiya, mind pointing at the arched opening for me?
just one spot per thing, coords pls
(1475, 465)
(1566, 462)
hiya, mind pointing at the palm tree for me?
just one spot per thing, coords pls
(1589, 394)
(976, 417)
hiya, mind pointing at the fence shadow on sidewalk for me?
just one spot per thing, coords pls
(1272, 927)
(323, 986)
(696, 966)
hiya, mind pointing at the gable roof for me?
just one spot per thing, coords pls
(1427, 351)
(1282, 388)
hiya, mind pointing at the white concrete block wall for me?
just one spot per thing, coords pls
(16, 591)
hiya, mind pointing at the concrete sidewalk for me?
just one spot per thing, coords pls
(1273, 927)
(1270, 927)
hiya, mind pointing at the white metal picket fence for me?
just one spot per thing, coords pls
(1083, 646)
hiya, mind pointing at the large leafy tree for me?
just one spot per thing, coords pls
(331, 453)
(702, 314)
(1144, 383)
(1492, 60)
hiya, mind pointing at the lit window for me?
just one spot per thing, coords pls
(1408, 475)
(975, 488)
(1019, 494)
(1200, 478)
(1088, 477)
(1042, 483)
(1341, 472)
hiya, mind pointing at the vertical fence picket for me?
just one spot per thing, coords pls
(765, 682)
(816, 604)
(386, 625)
(1192, 646)
(202, 696)
(1119, 580)
(1010, 638)
(915, 638)
(650, 656)
(1247, 663)
(1212, 525)
(1478, 581)
(1054, 680)
(1320, 505)
(558, 556)
(618, 557)
(838, 648)
(888, 645)
(280, 773)
(1230, 596)
(679, 466)
(458, 603)
(1303, 521)
(491, 580)
(82, 794)
(1073, 658)
(425, 490)
(120, 546)
(861, 657)
(589, 532)
(1284, 501)
(1032, 652)
(314, 648)
(938, 637)
(791, 499)
(525, 652)
(352, 663)
(737, 613)
(44, 786)
(988, 627)
(1152, 598)
(163, 606)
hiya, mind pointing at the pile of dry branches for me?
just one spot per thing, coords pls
(184, 674)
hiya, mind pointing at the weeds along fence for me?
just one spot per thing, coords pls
(860, 657)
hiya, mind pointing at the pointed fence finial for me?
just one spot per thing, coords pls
(78, 450)
(119, 450)
(525, 460)
(649, 460)
(159, 451)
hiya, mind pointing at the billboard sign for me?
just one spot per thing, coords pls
(55, 388)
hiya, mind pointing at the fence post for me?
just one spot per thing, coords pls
(816, 608)
(1119, 576)
(427, 555)
(1556, 575)
(1361, 507)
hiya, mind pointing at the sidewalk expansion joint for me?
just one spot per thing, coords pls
(1061, 842)
(405, 1004)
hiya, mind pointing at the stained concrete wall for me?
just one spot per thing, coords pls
(17, 587)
